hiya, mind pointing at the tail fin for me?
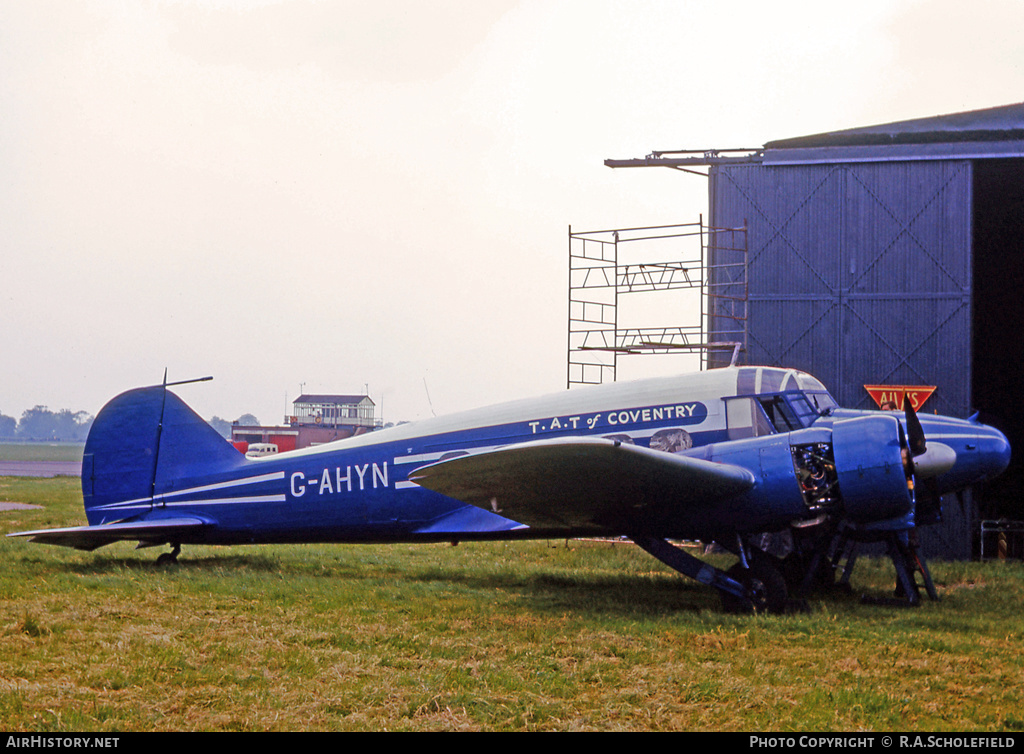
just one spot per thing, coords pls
(143, 444)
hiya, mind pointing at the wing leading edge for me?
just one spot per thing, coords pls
(91, 537)
(587, 483)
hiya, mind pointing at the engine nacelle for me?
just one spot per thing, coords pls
(871, 468)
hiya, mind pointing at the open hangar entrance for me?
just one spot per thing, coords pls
(889, 255)
(997, 384)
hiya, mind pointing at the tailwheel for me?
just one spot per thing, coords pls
(169, 558)
(765, 587)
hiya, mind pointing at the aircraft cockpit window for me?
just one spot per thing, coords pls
(780, 413)
(789, 411)
(821, 401)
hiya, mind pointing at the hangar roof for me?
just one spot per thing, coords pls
(1004, 123)
(977, 134)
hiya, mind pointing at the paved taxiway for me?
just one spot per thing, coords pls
(40, 468)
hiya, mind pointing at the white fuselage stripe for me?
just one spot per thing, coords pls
(228, 485)
(227, 501)
(146, 501)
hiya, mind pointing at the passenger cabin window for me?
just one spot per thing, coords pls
(745, 418)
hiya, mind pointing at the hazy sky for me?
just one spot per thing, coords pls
(378, 192)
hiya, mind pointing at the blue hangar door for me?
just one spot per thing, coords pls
(858, 273)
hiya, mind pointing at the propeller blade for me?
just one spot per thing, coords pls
(918, 446)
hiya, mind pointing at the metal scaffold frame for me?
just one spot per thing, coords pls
(710, 263)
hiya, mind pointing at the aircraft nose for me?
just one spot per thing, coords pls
(981, 453)
(995, 452)
(978, 452)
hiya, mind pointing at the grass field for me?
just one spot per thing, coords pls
(496, 636)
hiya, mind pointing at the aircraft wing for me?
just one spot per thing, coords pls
(91, 537)
(573, 483)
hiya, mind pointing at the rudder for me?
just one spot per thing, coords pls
(142, 444)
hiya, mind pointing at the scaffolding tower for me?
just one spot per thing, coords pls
(705, 267)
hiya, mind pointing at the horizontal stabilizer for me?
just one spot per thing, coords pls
(581, 483)
(91, 537)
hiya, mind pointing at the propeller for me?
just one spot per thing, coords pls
(926, 464)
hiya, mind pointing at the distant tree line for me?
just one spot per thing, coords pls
(223, 426)
(40, 423)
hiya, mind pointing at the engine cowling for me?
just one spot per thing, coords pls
(874, 476)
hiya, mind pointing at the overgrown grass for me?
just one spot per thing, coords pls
(496, 636)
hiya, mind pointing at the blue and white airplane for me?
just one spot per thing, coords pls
(726, 456)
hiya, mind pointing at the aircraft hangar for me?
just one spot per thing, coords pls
(887, 255)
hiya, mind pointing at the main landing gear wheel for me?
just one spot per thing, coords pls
(766, 589)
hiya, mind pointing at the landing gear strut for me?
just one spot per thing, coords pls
(757, 586)
(902, 550)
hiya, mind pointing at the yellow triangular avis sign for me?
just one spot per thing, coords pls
(892, 396)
